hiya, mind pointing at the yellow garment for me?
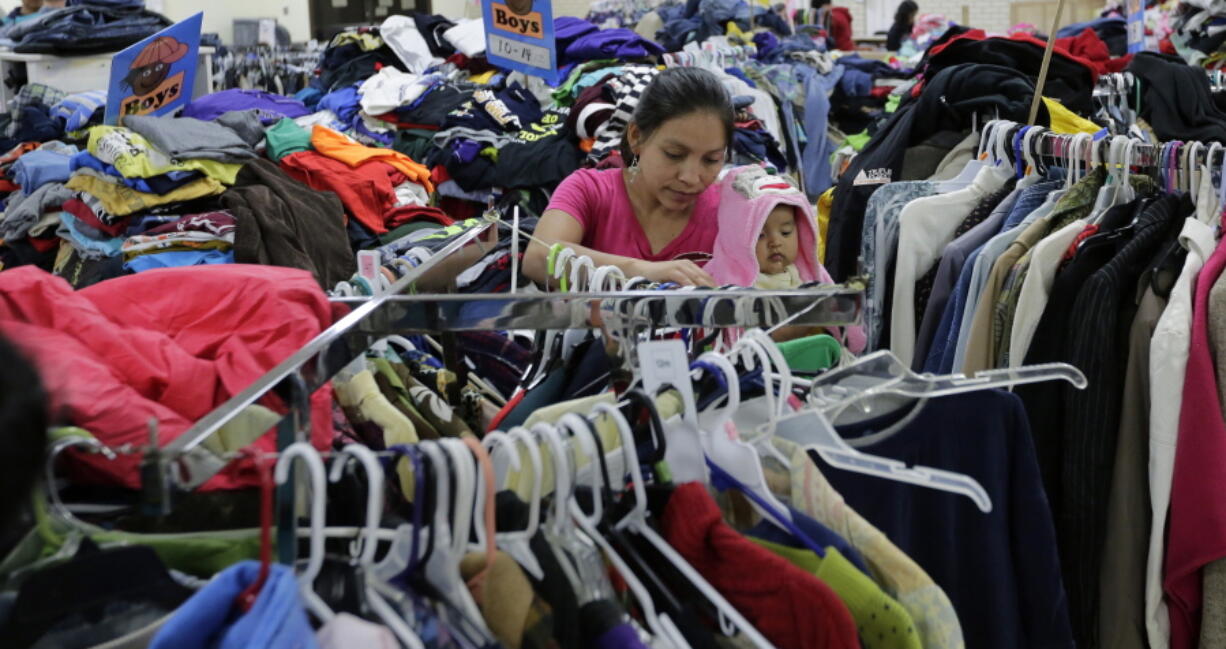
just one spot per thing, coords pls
(788, 279)
(734, 31)
(1066, 121)
(505, 595)
(483, 78)
(121, 200)
(825, 203)
(366, 41)
(361, 394)
(353, 153)
(881, 622)
(668, 405)
(521, 481)
(135, 157)
(898, 574)
(250, 424)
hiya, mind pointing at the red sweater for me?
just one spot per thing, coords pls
(792, 608)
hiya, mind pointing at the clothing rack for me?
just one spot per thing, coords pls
(187, 465)
(263, 67)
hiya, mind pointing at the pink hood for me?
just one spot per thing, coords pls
(747, 196)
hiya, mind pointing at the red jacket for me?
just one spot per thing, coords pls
(171, 344)
(840, 29)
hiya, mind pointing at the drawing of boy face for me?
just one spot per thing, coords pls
(146, 79)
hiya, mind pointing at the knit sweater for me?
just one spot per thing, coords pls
(791, 608)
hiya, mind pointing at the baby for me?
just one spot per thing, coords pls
(778, 244)
(768, 237)
(767, 233)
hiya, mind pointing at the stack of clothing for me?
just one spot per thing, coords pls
(87, 27)
(190, 240)
(158, 164)
(35, 179)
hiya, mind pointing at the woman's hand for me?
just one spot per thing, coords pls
(682, 271)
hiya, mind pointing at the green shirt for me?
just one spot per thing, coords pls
(881, 622)
(811, 353)
(286, 137)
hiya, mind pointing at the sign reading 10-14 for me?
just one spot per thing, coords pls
(519, 36)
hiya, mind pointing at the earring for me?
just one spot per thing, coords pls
(633, 171)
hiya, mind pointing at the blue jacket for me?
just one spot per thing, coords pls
(276, 621)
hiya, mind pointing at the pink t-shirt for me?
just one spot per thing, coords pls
(598, 201)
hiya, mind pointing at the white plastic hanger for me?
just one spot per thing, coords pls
(1117, 190)
(582, 268)
(464, 514)
(636, 521)
(561, 263)
(608, 278)
(579, 432)
(812, 429)
(515, 544)
(774, 367)
(315, 473)
(575, 516)
(368, 541)
(736, 457)
(442, 567)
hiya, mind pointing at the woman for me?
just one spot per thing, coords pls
(657, 216)
(904, 22)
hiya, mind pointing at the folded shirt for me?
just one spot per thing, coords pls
(187, 138)
(42, 166)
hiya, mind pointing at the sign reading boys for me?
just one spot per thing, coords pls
(156, 75)
(519, 36)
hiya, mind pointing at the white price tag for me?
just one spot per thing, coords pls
(664, 362)
(533, 55)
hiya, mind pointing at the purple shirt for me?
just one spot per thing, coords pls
(272, 107)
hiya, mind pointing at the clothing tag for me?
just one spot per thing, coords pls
(368, 266)
(664, 362)
(874, 176)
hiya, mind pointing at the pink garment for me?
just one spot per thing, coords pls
(746, 199)
(599, 202)
(747, 196)
(1196, 535)
(171, 344)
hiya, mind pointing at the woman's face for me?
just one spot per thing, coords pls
(680, 159)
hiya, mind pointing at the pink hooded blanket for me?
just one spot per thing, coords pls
(747, 196)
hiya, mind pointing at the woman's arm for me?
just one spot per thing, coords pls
(556, 226)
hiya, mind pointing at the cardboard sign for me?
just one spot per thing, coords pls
(519, 36)
(155, 76)
(1136, 25)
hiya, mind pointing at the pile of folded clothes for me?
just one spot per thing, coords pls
(87, 27)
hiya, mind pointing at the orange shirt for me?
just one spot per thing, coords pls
(340, 147)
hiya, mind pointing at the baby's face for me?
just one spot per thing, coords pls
(778, 241)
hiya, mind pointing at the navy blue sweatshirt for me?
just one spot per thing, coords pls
(1001, 570)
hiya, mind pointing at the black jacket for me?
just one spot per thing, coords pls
(947, 102)
(1176, 99)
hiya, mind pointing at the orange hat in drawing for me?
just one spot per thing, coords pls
(162, 50)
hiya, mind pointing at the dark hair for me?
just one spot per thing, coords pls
(23, 418)
(906, 12)
(674, 93)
